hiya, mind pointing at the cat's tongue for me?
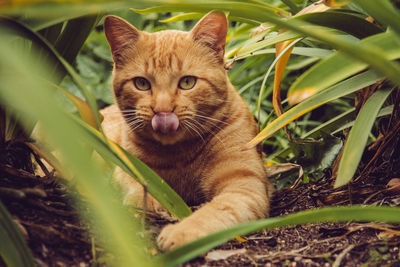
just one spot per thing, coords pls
(165, 122)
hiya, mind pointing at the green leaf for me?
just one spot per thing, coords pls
(196, 15)
(382, 113)
(247, 50)
(340, 66)
(33, 99)
(74, 35)
(13, 248)
(319, 154)
(156, 186)
(331, 125)
(383, 11)
(358, 136)
(350, 23)
(183, 17)
(369, 54)
(335, 214)
(22, 30)
(341, 89)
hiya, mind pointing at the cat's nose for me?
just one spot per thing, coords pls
(165, 122)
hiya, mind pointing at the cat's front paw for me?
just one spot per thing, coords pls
(175, 235)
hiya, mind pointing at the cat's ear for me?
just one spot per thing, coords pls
(211, 30)
(119, 34)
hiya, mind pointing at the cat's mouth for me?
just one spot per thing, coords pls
(165, 122)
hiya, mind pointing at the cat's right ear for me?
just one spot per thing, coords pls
(120, 34)
(211, 30)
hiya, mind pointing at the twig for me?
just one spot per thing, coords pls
(340, 257)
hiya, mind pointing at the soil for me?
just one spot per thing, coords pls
(57, 237)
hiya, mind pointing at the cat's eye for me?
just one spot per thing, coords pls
(187, 82)
(141, 84)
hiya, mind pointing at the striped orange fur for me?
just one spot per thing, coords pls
(201, 159)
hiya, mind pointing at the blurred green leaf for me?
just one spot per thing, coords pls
(335, 214)
(358, 136)
(156, 186)
(74, 35)
(383, 11)
(24, 31)
(13, 248)
(32, 98)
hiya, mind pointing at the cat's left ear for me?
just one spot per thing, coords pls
(211, 30)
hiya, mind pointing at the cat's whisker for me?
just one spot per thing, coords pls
(208, 130)
(190, 126)
(211, 119)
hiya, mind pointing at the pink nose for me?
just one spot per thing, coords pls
(165, 122)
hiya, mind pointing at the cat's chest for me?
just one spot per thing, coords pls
(183, 174)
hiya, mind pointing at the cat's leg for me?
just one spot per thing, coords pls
(134, 193)
(241, 196)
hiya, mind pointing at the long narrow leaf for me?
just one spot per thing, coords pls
(335, 214)
(358, 137)
(371, 55)
(13, 248)
(24, 31)
(347, 22)
(341, 89)
(32, 98)
(383, 11)
(256, 12)
(327, 72)
(156, 186)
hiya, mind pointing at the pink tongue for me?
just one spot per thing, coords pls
(165, 122)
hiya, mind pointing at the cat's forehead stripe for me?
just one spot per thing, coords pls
(167, 50)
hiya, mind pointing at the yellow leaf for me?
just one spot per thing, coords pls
(301, 95)
(336, 3)
(83, 108)
(241, 239)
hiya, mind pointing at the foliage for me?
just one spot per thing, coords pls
(323, 55)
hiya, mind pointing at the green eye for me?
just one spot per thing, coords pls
(187, 82)
(141, 83)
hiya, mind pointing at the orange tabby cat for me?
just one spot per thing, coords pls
(178, 112)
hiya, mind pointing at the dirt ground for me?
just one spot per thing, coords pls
(57, 238)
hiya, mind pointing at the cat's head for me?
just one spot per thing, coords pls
(170, 85)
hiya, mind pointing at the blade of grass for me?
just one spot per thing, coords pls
(327, 73)
(331, 214)
(386, 111)
(349, 23)
(24, 31)
(341, 89)
(156, 186)
(383, 11)
(74, 35)
(371, 55)
(256, 12)
(358, 137)
(33, 98)
(13, 248)
(262, 89)
(195, 15)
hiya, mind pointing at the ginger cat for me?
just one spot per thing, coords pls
(178, 112)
